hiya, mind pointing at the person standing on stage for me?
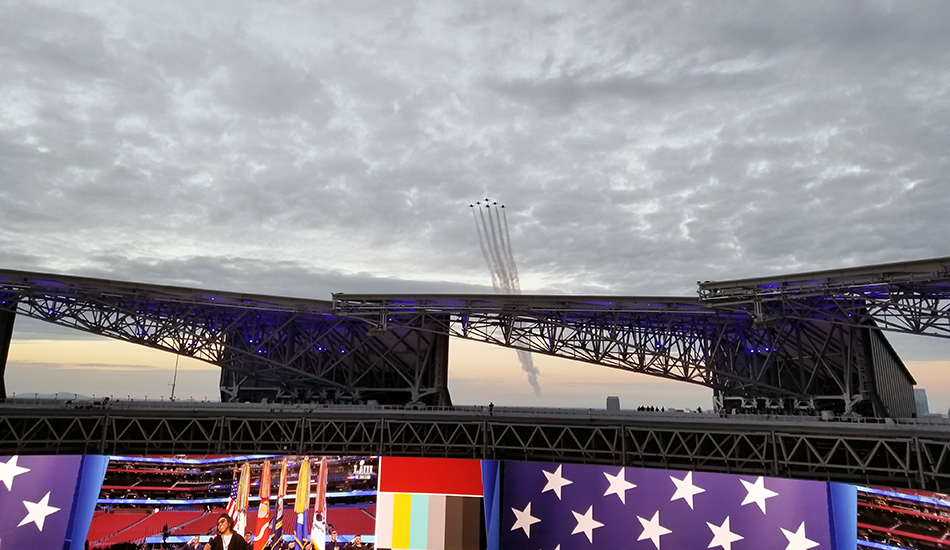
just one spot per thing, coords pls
(357, 542)
(227, 539)
(334, 544)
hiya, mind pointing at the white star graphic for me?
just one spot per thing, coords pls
(797, 540)
(618, 485)
(586, 524)
(555, 482)
(10, 470)
(36, 512)
(757, 493)
(524, 520)
(652, 529)
(722, 535)
(685, 489)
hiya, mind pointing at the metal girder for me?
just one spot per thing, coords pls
(268, 348)
(452, 439)
(394, 349)
(905, 455)
(556, 442)
(804, 360)
(721, 450)
(341, 436)
(850, 456)
(7, 319)
(908, 297)
(667, 337)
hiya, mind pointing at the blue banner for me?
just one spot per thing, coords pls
(47, 501)
(581, 507)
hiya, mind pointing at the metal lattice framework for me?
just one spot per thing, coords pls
(910, 455)
(908, 297)
(668, 337)
(268, 347)
(394, 349)
(804, 361)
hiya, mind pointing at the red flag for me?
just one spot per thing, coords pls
(318, 529)
(263, 511)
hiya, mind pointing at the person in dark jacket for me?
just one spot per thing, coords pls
(227, 539)
(357, 543)
(334, 544)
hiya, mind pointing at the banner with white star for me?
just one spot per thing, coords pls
(48, 501)
(574, 506)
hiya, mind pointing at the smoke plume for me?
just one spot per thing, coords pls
(494, 239)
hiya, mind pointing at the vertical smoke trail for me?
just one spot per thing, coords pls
(527, 365)
(495, 242)
(481, 244)
(494, 262)
(511, 257)
(499, 259)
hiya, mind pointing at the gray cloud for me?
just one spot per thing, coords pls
(639, 147)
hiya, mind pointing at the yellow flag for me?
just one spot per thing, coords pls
(282, 488)
(244, 486)
(302, 504)
(265, 481)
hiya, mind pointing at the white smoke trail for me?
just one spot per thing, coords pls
(495, 265)
(516, 283)
(495, 242)
(499, 260)
(481, 244)
(498, 244)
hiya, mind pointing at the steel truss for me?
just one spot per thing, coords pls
(908, 297)
(894, 455)
(791, 363)
(394, 349)
(268, 348)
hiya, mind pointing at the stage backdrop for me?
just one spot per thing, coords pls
(48, 501)
(570, 506)
(445, 504)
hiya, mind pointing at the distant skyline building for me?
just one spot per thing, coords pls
(920, 399)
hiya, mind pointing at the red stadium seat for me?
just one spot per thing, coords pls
(152, 525)
(104, 526)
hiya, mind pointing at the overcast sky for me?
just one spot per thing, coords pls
(308, 148)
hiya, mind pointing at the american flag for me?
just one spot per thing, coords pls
(232, 507)
(37, 497)
(573, 506)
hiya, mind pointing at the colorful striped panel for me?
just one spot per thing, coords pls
(428, 522)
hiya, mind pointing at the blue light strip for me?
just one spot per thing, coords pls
(161, 501)
(905, 496)
(217, 500)
(180, 539)
(869, 544)
(189, 461)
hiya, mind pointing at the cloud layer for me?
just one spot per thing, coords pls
(639, 147)
(306, 148)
